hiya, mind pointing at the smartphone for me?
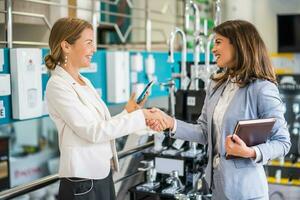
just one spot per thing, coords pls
(143, 94)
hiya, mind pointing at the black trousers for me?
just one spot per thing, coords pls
(87, 189)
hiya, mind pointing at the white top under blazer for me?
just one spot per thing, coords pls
(86, 130)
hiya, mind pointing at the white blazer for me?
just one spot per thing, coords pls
(85, 127)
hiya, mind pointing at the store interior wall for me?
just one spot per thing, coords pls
(262, 13)
(160, 31)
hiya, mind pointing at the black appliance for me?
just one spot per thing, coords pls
(189, 104)
(288, 30)
(289, 88)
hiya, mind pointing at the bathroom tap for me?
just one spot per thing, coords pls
(184, 80)
(200, 41)
(171, 89)
(207, 53)
(217, 19)
(176, 184)
(197, 48)
(197, 30)
(193, 151)
(190, 4)
(197, 182)
(174, 180)
(187, 14)
(194, 84)
(207, 70)
(151, 184)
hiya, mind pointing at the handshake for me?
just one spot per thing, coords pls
(157, 120)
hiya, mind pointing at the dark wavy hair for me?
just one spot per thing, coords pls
(251, 56)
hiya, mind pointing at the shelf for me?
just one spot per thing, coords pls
(288, 164)
(284, 181)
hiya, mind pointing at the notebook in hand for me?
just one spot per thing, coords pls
(253, 132)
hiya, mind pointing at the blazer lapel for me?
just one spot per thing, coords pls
(99, 105)
(213, 100)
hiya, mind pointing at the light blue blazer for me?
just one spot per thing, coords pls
(241, 178)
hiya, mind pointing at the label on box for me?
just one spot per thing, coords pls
(191, 101)
(2, 110)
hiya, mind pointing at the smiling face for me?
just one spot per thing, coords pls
(223, 51)
(81, 52)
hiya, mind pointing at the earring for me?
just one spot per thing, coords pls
(66, 60)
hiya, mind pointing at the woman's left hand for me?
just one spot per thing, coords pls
(235, 146)
(132, 105)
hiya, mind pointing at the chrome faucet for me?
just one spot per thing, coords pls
(188, 5)
(198, 41)
(187, 14)
(207, 53)
(151, 184)
(217, 19)
(171, 90)
(197, 48)
(176, 184)
(184, 80)
(193, 151)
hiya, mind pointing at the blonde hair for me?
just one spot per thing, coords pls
(64, 29)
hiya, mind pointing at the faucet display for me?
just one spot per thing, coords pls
(184, 80)
(151, 177)
(193, 151)
(208, 69)
(217, 20)
(176, 184)
(200, 40)
(207, 55)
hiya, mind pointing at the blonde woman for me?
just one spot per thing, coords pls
(85, 127)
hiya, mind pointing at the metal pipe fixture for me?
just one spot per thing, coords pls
(8, 22)
(171, 89)
(217, 19)
(184, 80)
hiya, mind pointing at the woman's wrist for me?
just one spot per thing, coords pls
(131, 108)
(146, 113)
(171, 122)
(251, 153)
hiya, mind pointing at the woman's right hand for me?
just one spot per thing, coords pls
(132, 105)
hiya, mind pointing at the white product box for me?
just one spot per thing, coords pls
(26, 76)
(117, 69)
